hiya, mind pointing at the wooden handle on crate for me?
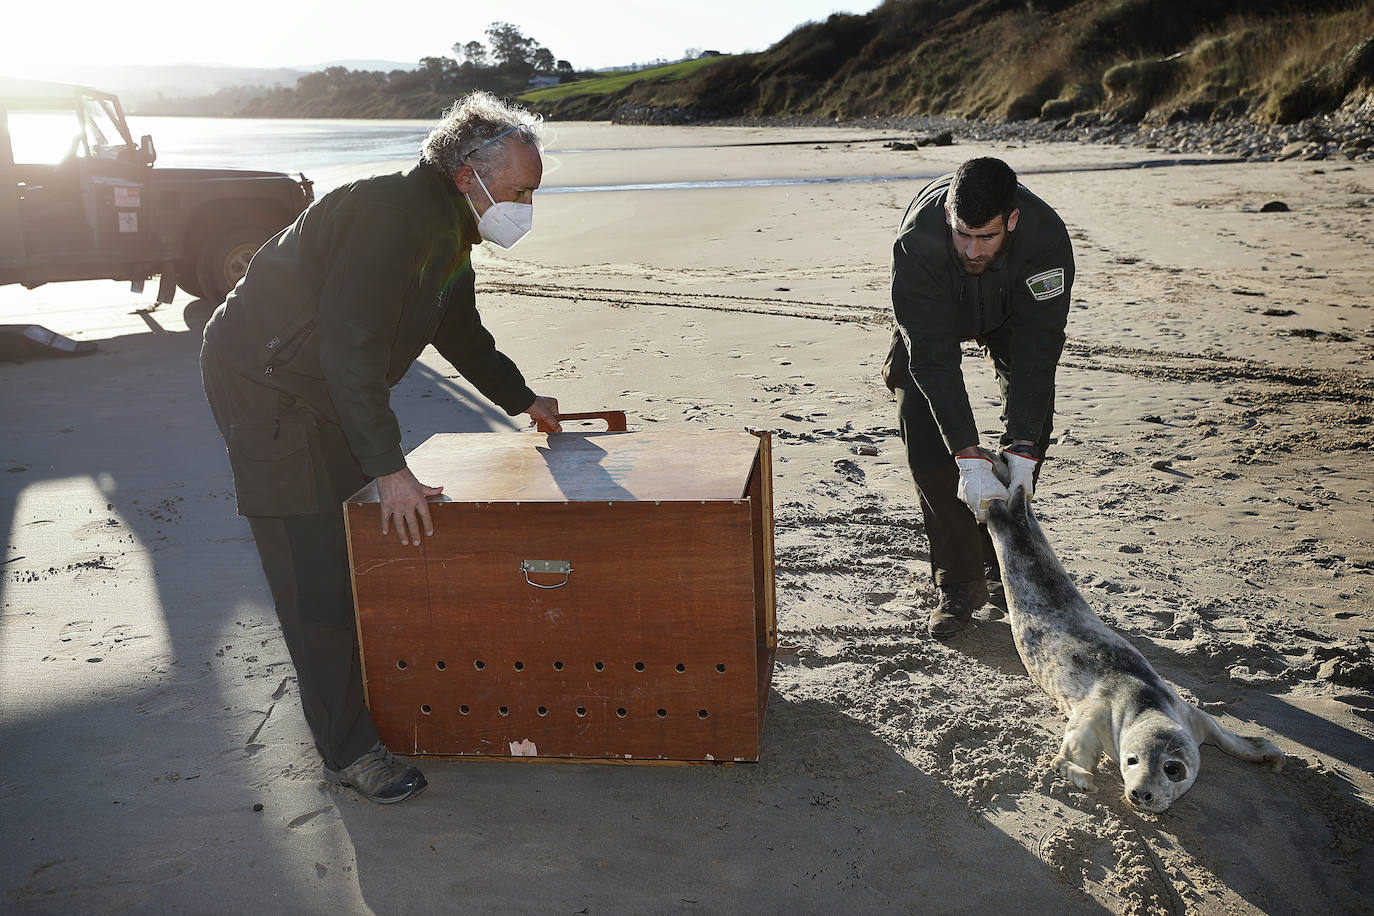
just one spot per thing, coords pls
(615, 419)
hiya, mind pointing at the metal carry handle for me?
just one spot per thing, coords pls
(615, 420)
(546, 567)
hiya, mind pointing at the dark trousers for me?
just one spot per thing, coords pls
(292, 472)
(960, 548)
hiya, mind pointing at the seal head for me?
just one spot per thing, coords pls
(1159, 761)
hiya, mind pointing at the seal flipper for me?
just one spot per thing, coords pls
(1082, 745)
(1256, 750)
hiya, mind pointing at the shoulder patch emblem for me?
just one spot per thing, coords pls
(1047, 284)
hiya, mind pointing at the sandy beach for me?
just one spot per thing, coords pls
(1209, 491)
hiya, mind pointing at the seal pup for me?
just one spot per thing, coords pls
(1114, 699)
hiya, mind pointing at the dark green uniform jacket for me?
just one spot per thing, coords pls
(1021, 300)
(338, 305)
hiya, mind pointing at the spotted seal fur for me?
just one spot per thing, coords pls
(1114, 699)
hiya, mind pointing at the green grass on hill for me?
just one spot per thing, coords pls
(617, 82)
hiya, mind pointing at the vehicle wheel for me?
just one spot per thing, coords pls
(187, 279)
(224, 259)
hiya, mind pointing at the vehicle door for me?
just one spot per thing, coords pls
(48, 145)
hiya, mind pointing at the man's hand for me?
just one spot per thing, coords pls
(1021, 462)
(403, 501)
(545, 410)
(978, 485)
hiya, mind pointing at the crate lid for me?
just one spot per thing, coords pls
(654, 465)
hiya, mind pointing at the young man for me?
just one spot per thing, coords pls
(980, 258)
(298, 364)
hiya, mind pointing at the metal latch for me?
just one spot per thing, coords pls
(548, 568)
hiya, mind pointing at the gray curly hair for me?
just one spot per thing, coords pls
(473, 122)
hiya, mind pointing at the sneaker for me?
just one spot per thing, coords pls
(956, 607)
(379, 776)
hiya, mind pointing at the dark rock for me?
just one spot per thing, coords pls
(1274, 206)
(650, 114)
(1193, 111)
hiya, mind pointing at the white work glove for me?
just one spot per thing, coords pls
(979, 486)
(1022, 470)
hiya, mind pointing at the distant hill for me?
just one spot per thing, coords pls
(139, 84)
(385, 66)
(194, 88)
(1133, 60)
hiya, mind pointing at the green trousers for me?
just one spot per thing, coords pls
(292, 472)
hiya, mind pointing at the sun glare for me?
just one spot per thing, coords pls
(43, 137)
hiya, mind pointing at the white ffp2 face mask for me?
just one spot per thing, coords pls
(504, 223)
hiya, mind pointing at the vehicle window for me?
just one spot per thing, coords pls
(45, 137)
(102, 136)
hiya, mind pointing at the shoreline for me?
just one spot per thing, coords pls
(1336, 137)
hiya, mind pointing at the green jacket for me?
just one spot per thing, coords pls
(338, 305)
(1022, 298)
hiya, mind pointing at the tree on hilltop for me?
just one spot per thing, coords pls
(543, 61)
(437, 71)
(473, 52)
(516, 53)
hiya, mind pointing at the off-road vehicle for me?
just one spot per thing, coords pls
(79, 200)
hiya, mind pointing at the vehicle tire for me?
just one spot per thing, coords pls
(224, 258)
(187, 279)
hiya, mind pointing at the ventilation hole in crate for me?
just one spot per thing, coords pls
(639, 666)
(702, 714)
(441, 665)
(600, 666)
(479, 664)
(621, 712)
(464, 709)
(543, 710)
(720, 668)
(424, 708)
(505, 711)
(557, 666)
(663, 713)
(680, 667)
(401, 664)
(519, 666)
(581, 711)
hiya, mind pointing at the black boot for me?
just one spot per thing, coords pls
(956, 607)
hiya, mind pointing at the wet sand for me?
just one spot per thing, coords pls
(1209, 492)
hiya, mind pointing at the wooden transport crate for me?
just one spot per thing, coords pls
(604, 595)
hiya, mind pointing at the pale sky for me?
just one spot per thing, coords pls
(275, 33)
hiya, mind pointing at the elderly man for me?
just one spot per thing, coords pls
(978, 257)
(298, 364)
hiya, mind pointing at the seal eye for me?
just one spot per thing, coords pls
(1132, 760)
(1176, 771)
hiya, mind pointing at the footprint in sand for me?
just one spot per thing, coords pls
(850, 470)
(74, 629)
(303, 819)
(95, 529)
